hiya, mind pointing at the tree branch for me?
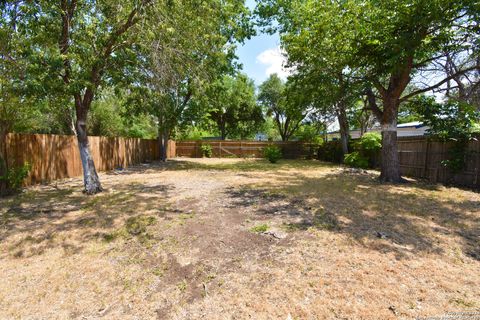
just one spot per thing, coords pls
(379, 87)
(99, 67)
(372, 104)
(437, 85)
(67, 11)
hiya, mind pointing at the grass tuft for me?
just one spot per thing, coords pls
(259, 228)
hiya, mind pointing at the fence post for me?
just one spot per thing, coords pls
(241, 149)
(220, 147)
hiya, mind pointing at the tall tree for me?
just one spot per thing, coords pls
(187, 49)
(384, 42)
(75, 45)
(416, 34)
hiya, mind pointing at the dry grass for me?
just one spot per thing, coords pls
(239, 239)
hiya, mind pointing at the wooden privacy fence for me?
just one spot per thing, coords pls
(55, 156)
(421, 157)
(243, 149)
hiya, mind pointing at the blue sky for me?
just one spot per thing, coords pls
(261, 56)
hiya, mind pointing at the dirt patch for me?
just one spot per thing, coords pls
(238, 239)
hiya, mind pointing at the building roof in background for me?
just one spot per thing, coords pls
(416, 124)
(412, 125)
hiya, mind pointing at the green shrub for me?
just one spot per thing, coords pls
(207, 150)
(272, 153)
(356, 160)
(16, 176)
(370, 142)
(368, 146)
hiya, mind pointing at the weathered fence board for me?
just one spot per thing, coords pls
(56, 157)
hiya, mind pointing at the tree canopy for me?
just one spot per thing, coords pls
(230, 102)
(167, 69)
(381, 45)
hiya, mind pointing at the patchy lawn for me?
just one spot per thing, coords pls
(239, 239)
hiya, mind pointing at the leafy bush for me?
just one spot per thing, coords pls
(309, 133)
(356, 160)
(272, 153)
(370, 142)
(207, 150)
(450, 120)
(16, 176)
(368, 146)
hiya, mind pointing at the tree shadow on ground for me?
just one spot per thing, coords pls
(60, 214)
(405, 219)
(41, 219)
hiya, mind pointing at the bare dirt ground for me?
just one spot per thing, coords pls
(239, 239)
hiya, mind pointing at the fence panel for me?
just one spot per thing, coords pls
(57, 156)
(242, 149)
(421, 157)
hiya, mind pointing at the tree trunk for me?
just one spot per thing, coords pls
(166, 137)
(343, 123)
(163, 137)
(390, 164)
(283, 133)
(161, 145)
(223, 131)
(282, 128)
(286, 126)
(90, 177)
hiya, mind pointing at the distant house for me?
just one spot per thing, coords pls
(410, 129)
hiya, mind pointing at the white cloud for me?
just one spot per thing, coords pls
(275, 61)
